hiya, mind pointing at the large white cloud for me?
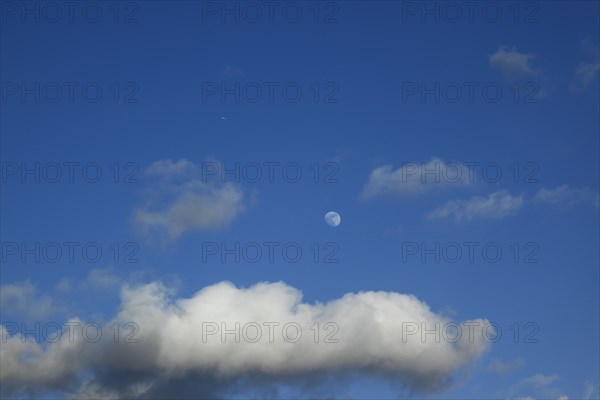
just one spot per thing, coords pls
(176, 356)
(181, 201)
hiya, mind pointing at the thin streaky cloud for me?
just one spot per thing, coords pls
(505, 367)
(566, 196)
(497, 205)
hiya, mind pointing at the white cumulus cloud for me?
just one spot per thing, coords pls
(182, 348)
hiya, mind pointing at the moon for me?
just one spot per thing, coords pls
(333, 219)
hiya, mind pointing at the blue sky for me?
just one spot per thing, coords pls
(365, 100)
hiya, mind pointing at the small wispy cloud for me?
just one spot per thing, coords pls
(497, 205)
(565, 196)
(181, 201)
(591, 390)
(505, 367)
(511, 63)
(102, 279)
(584, 75)
(170, 168)
(538, 386)
(586, 72)
(502, 204)
(23, 299)
(232, 70)
(413, 179)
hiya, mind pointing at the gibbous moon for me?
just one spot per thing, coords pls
(333, 219)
